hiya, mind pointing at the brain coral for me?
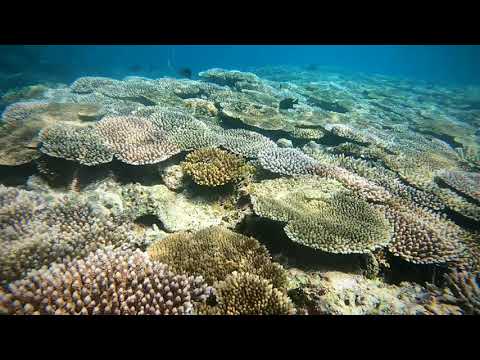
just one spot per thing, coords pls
(247, 294)
(78, 143)
(135, 141)
(215, 167)
(214, 253)
(108, 281)
(321, 214)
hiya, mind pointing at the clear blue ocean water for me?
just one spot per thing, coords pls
(449, 64)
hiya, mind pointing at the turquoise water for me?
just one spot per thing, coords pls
(444, 64)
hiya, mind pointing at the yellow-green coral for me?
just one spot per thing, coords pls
(215, 167)
(248, 294)
(214, 253)
(321, 214)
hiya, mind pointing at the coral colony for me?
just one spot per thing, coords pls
(287, 191)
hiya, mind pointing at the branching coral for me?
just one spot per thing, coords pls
(245, 143)
(78, 143)
(423, 237)
(215, 167)
(466, 290)
(322, 214)
(248, 294)
(88, 84)
(287, 161)
(467, 183)
(37, 231)
(135, 141)
(108, 281)
(214, 253)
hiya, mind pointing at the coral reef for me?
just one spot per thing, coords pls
(106, 166)
(247, 294)
(214, 167)
(135, 141)
(22, 122)
(175, 211)
(466, 290)
(38, 230)
(423, 237)
(321, 214)
(467, 183)
(108, 281)
(216, 252)
(78, 143)
(340, 293)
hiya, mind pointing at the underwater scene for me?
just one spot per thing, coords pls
(239, 180)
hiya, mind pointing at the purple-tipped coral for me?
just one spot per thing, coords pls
(108, 281)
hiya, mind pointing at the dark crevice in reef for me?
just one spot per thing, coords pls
(147, 175)
(401, 270)
(462, 220)
(142, 174)
(450, 140)
(232, 123)
(64, 173)
(330, 139)
(442, 184)
(147, 221)
(271, 234)
(16, 175)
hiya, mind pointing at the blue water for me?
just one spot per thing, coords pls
(450, 64)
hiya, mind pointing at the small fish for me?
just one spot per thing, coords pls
(287, 103)
(185, 72)
(135, 68)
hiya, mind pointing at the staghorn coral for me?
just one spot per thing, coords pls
(465, 288)
(215, 252)
(108, 281)
(37, 231)
(135, 141)
(78, 143)
(247, 294)
(422, 237)
(215, 167)
(467, 183)
(321, 214)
